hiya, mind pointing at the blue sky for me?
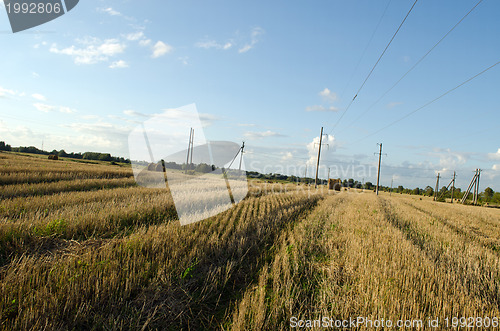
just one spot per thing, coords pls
(271, 73)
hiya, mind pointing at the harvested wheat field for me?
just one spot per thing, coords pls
(82, 247)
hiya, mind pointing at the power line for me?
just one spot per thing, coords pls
(417, 63)
(366, 48)
(376, 63)
(428, 103)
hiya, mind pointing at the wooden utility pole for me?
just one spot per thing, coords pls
(192, 146)
(453, 185)
(437, 187)
(328, 176)
(319, 154)
(476, 186)
(378, 172)
(241, 155)
(467, 192)
(188, 149)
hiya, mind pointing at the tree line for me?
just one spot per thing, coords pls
(62, 153)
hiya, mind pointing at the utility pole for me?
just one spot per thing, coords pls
(189, 149)
(192, 146)
(453, 185)
(437, 187)
(476, 186)
(471, 185)
(319, 154)
(328, 175)
(241, 155)
(378, 172)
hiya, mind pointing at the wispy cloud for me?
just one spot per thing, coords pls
(160, 49)
(287, 156)
(135, 36)
(49, 108)
(242, 44)
(92, 50)
(214, 44)
(39, 97)
(254, 39)
(110, 11)
(145, 42)
(6, 92)
(135, 113)
(118, 64)
(264, 134)
(322, 108)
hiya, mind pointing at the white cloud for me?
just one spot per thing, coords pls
(39, 97)
(110, 11)
(322, 108)
(496, 167)
(90, 117)
(160, 49)
(67, 110)
(448, 159)
(135, 113)
(287, 156)
(145, 42)
(43, 107)
(254, 39)
(328, 95)
(260, 135)
(135, 36)
(236, 42)
(494, 156)
(329, 145)
(93, 50)
(214, 44)
(48, 108)
(118, 64)
(6, 92)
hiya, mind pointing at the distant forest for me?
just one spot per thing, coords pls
(85, 156)
(488, 196)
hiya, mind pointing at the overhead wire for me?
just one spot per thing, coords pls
(429, 103)
(366, 47)
(416, 64)
(373, 68)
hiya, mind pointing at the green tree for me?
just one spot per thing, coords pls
(5, 147)
(488, 193)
